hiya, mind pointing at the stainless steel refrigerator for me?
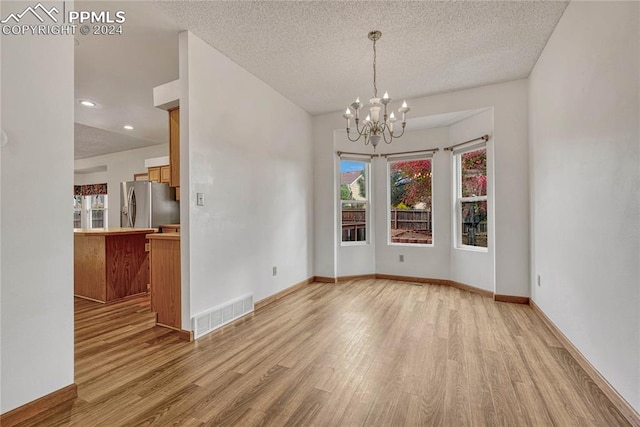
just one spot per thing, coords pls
(145, 204)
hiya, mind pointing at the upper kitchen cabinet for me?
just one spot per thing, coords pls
(174, 147)
(167, 97)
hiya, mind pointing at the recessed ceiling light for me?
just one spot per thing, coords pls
(128, 127)
(87, 103)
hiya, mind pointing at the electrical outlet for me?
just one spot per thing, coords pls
(401, 258)
(538, 280)
(200, 199)
(275, 270)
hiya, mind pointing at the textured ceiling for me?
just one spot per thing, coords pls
(317, 53)
(440, 120)
(91, 141)
(119, 72)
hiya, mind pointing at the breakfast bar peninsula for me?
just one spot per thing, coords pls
(110, 264)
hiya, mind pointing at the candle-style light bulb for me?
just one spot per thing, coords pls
(348, 115)
(392, 118)
(385, 96)
(404, 110)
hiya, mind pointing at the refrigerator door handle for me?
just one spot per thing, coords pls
(132, 208)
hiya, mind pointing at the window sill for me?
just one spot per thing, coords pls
(472, 249)
(347, 244)
(412, 245)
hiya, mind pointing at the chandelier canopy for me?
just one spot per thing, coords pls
(373, 129)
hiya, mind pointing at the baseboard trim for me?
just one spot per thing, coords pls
(38, 406)
(115, 301)
(283, 293)
(443, 282)
(182, 333)
(513, 299)
(325, 279)
(465, 287)
(618, 401)
(356, 277)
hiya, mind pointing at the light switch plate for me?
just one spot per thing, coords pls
(200, 199)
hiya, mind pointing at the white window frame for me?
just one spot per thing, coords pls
(458, 199)
(393, 159)
(366, 202)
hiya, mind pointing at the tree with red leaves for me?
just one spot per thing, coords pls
(411, 182)
(474, 173)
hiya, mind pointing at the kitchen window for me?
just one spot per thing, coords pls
(90, 203)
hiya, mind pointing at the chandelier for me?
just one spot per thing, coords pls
(373, 129)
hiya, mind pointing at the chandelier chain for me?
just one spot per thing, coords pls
(375, 87)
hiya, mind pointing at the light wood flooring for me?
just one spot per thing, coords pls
(365, 352)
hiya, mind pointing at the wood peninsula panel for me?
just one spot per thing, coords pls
(89, 267)
(127, 265)
(110, 263)
(165, 278)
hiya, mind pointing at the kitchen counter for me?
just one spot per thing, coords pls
(164, 236)
(169, 228)
(110, 231)
(110, 264)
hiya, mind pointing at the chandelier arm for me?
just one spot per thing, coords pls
(353, 140)
(364, 128)
(384, 135)
(398, 136)
(361, 132)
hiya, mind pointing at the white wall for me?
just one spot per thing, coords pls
(90, 178)
(37, 243)
(120, 167)
(432, 262)
(474, 267)
(585, 158)
(509, 102)
(1, 128)
(250, 154)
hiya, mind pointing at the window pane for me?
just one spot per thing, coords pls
(473, 216)
(354, 222)
(410, 196)
(97, 218)
(353, 180)
(473, 165)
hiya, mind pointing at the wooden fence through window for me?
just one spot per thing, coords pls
(354, 223)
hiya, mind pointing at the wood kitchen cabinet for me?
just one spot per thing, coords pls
(154, 174)
(159, 173)
(174, 147)
(165, 174)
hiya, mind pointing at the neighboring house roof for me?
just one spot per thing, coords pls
(349, 177)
